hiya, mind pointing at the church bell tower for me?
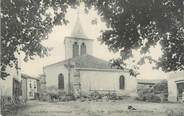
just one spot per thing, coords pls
(77, 44)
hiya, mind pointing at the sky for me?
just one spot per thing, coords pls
(56, 42)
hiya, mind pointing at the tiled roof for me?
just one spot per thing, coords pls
(89, 61)
(151, 81)
(27, 76)
(86, 61)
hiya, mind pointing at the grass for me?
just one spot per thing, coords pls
(101, 108)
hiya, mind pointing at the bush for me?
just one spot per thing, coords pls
(155, 98)
(112, 96)
(144, 93)
(54, 94)
(95, 95)
(157, 93)
(70, 97)
(44, 96)
(161, 89)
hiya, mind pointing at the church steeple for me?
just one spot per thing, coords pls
(78, 30)
(78, 44)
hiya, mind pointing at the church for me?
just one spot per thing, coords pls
(82, 73)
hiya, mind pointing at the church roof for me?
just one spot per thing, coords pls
(78, 30)
(86, 61)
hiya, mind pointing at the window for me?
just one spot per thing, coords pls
(75, 49)
(83, 49)
(60, 81)
(30, 85)
(122, 82)
(180, 90)
(35, 84)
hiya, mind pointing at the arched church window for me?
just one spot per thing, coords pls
(61, 81)
(122, 82)
(75, 49)
(83, 49)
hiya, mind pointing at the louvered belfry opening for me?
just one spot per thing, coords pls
(75, 49)
(83, 49)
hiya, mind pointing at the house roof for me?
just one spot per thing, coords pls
(27, 76)
(86, 61)
(149, 81)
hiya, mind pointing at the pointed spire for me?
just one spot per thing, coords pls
(78, 30)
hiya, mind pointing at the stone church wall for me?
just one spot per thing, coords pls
(107, 81)
(52, 72)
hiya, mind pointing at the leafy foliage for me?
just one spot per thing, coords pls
(25, 23)
(140, 24)
(132, 24)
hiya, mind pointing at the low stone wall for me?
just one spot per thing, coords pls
(8, 102)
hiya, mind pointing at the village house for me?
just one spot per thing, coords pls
(10, 87)
(82, 73)
(30, 87)
(176, 86)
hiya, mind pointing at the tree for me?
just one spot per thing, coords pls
(132, 24)
(140, 24)
(25, 23)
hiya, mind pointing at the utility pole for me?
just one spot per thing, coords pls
(69, 66)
